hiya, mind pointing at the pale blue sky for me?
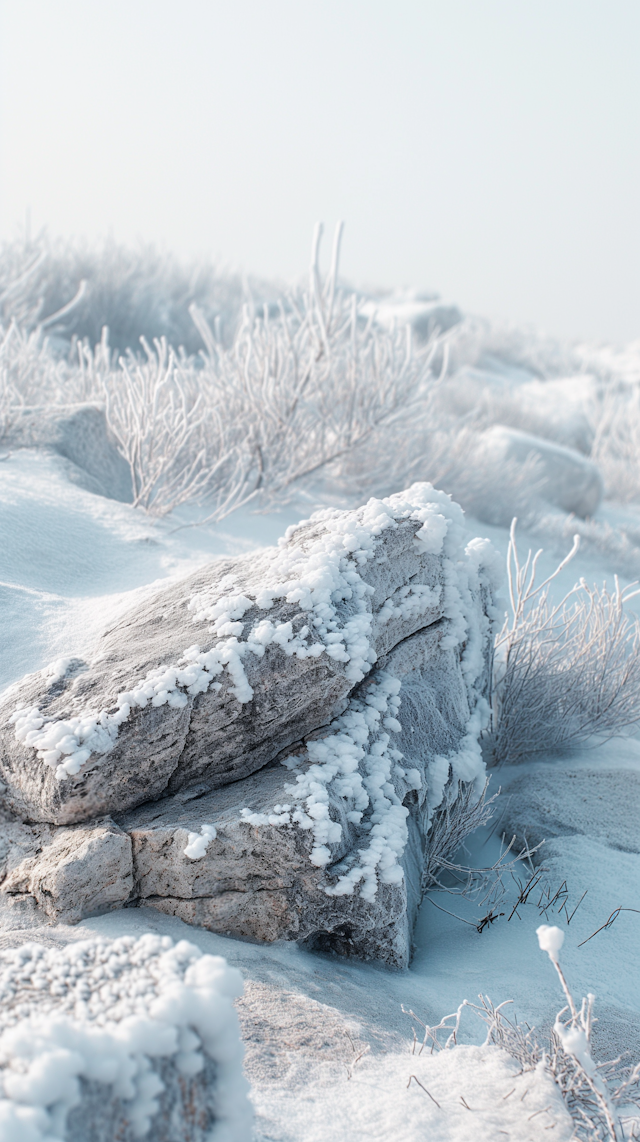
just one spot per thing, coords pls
(489, 149)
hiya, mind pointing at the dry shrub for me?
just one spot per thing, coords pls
(564, 672)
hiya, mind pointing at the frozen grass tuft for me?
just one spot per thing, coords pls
(564, 672)
(602, 1098)
(135, 292)
(227, 392)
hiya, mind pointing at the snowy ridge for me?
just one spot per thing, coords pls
(324, 580)
(104, 1010)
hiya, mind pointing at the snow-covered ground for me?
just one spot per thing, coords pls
(70, 561)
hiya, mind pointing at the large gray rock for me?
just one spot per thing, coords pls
(256, 877)
(257, 883)
(120, 1039)
(356, 603)
(282, 785)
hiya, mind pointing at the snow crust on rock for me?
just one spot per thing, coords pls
(102, 1010)
(319, 577)
(198, 843)
(357, 762)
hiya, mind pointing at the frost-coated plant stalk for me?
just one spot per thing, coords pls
(564, 671)
(583, 1085)
(595, 1094)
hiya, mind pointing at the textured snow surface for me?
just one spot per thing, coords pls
(101, 1010)
(377, 1103)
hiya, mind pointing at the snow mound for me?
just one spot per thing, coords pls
(120, 1038)
(468, 1092)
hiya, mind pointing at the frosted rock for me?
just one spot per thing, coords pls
(276, 779)
(177, 693)
(71, 872)
(563, 410)
(258, 878)
(124, 1039)
(80, 436)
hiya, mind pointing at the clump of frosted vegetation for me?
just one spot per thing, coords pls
(564, 671)
(72, 291)
(291, 397)
(227, 392)
(602, 1098)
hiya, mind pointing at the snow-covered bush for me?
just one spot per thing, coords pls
(30, 376)
(178, 440)
(294, 394)
(323, 381)
(316, 388)
(135, 292)
(564, 671)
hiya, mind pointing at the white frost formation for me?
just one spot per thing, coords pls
(103, 1010)
(550, 940)
(198, 843)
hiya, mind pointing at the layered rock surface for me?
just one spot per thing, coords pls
(259, 748)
